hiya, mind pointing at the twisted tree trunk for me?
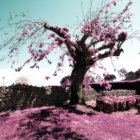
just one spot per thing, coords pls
(77, 78)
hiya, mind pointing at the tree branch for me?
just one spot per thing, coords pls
(83, 39)
(57, 30)
(83, 45)
(106, 54)
(63, 34)
(106, 47)
(93, 43)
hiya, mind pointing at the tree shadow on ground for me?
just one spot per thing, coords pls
(72, 109)
(50, 123)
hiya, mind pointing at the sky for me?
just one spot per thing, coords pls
(62, 13)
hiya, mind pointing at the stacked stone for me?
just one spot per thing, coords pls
(119, 92)
(89, 94)
(17, 97)
(111, 104)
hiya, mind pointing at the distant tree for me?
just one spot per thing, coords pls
(100, 35)
(138, 72)
(109, 77)
(22, 80)
(65, 81)
(122, 73)
(132, 75)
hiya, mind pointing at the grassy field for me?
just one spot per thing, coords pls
(69, 123)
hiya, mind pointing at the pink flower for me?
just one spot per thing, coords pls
(101, 10)
(114, 20)
(130, 3)
(108, 5)
(105, 84)
(114, 2)
(62, 56)
(51, 35)
(70, 59)
(41, 45)
(60, 64)
(25, 31)
(47, 77)
(93, 51)
(120, 26)
(65, 29)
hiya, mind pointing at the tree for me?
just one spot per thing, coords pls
(66, 81)
(109, 77)
(22, 80)
(100, 35)
(132, 75)
(122, 73)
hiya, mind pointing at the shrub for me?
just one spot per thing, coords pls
(22, 80)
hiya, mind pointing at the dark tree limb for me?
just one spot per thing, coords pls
(109, 46)
(59, 31)
(106, 54)
(83, 39)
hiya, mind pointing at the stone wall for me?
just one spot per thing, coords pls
(121, 103)
(23, 96)
(119, 92)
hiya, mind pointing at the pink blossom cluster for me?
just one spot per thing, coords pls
(108, 31)
(122, 72)
(105, 84)
(66, 81)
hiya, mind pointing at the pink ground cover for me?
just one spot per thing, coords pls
(68, 123)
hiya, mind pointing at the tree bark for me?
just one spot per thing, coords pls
(77, 78)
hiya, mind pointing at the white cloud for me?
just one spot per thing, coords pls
(35, 76)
